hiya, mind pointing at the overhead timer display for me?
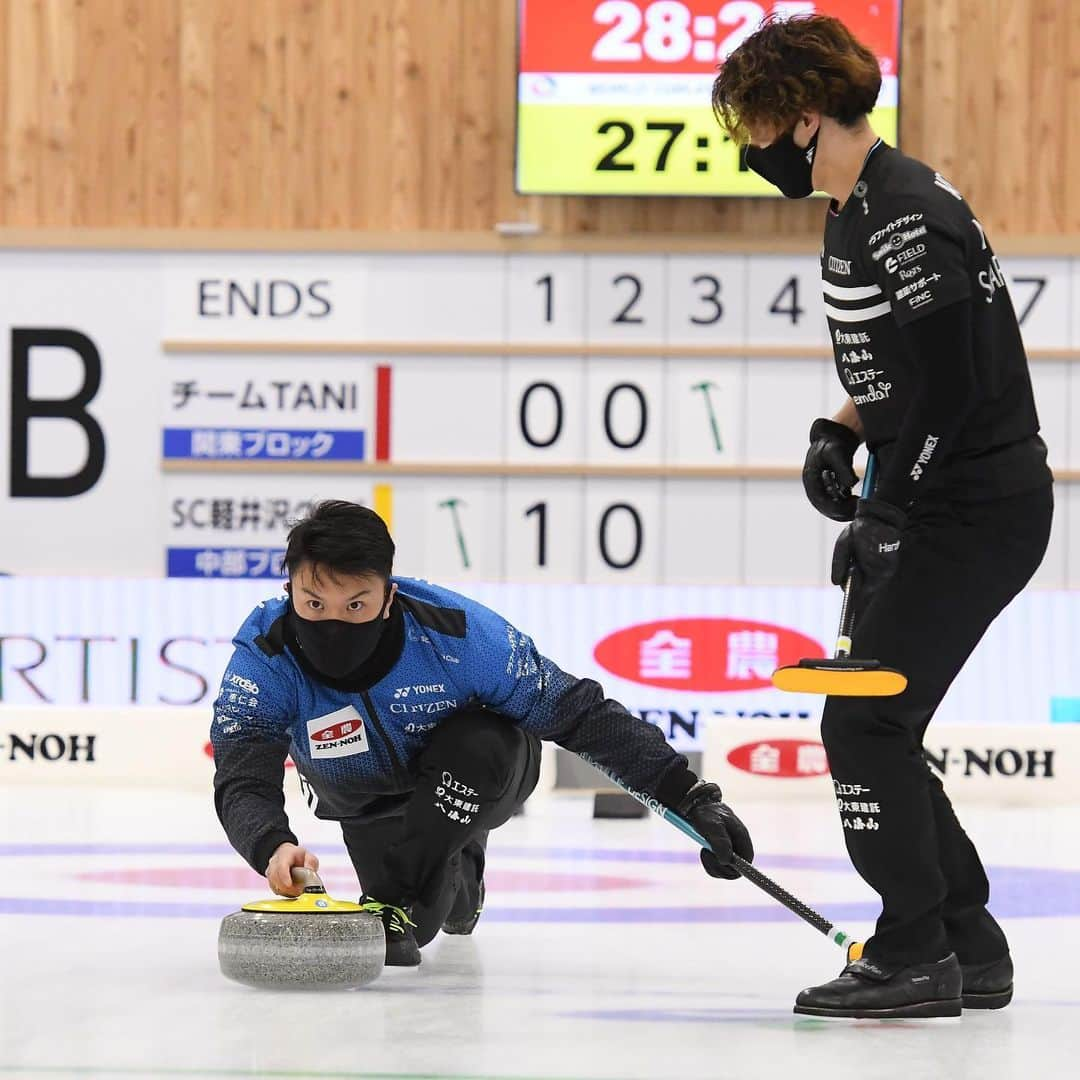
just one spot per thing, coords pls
(614, 95)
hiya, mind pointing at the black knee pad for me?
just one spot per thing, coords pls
(476, 739)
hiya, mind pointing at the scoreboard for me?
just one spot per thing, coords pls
(614, 95)
(516, 415)
(534, 416)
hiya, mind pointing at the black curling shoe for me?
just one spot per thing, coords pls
(866, 990)
(988, 986)
(468, 864)
(401, 947)
(463, 919)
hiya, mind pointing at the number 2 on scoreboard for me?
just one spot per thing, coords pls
(670, 29)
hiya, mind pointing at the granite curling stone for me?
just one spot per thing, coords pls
(310, 942)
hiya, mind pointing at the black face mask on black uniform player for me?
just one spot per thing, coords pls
(335, 647)
(786, 165)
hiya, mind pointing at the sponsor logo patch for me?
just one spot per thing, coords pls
(898, 240)
(856, 337)
(780, 758)
(429, 708)
(338, 734)
(925, 455)
(899, 223)
(877, 392)
(916, 251)
(423, 688)
(915, 286)
(244, 684)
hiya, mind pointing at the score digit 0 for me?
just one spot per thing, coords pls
(543, 431)
(616, 552)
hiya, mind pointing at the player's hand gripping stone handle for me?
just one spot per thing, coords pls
(279, 871)
(836, 935)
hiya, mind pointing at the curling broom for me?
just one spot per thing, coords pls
(833, 932)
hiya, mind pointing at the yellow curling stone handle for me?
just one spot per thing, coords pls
(314, 900)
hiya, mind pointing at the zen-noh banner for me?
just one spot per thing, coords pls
(679, 657)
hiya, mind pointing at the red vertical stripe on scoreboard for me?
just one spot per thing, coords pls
(382, 412)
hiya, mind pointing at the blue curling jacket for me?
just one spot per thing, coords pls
(355, 741)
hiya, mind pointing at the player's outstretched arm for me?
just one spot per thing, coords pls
(249, 734)
(518, 681)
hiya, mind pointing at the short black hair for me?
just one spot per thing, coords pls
(341, 538)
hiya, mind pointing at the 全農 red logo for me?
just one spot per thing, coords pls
(703, 653)
(335, 731)
(782, 758)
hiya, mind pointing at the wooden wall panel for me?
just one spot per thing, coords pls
(1047, 70)
(398, 115)
(1069, 114)
(22, 116)
(195, 127)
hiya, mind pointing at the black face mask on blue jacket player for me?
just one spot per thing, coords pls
(785, 164)
(335, 647)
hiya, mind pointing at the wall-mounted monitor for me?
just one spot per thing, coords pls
(614, 95)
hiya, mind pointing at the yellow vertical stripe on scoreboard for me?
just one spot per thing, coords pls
(384, 504)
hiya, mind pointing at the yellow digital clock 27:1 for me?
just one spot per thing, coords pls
(614, 95)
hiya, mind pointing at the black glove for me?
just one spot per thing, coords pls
(828, 475)
(703, 807)
(872, 541)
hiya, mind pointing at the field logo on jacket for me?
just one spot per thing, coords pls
(338, 734)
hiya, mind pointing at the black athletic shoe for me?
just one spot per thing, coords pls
(869, 991)
(401, 947)
(988, 986)
(466, 923)
(469, 901)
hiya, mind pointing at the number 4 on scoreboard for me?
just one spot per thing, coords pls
(790, 292)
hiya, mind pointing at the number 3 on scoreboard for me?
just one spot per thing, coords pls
(611, 162)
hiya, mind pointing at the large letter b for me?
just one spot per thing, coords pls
(24, 408)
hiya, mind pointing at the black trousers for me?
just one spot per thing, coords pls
(960, 565)
(475, 771)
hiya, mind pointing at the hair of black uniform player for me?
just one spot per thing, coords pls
(341, 539)
(789, 67)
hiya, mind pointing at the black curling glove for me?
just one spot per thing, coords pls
(703, 807)
(872, 543)
(828, 473)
